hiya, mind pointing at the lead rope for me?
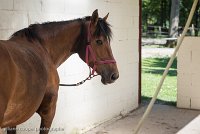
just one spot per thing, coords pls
(149, 108)
(91, 75)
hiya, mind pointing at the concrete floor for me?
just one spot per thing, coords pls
(163, 119)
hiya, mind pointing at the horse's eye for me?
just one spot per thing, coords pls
(99, 42)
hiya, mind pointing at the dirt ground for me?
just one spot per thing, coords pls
(163, 119)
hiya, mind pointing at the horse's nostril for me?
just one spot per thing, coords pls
(114, 76)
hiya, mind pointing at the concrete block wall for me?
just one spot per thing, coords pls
(81, 108)
(189, 74)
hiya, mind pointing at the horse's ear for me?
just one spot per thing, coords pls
(105, 18)
(95, 17)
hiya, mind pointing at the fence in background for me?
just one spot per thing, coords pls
(153, 31)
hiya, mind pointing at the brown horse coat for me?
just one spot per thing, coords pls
(29, 72)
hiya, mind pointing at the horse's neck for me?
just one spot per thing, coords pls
(64, 42)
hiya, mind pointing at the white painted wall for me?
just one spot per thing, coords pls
(189, 74)
(80, 108)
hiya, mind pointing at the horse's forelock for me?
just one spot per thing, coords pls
(103, 28)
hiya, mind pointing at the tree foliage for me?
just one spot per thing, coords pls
(157, 12)
(185, 6)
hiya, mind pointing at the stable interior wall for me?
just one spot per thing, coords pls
(81, 108)
(189, 74)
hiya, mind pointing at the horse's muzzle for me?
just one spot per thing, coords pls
(109, 78)
(114, 76)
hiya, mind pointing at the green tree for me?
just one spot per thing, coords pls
(155, 12)
(185, 6)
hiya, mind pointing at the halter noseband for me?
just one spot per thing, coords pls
(90, 52)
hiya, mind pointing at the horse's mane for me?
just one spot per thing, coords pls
(32, 32)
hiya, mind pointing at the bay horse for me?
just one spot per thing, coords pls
(29, 80)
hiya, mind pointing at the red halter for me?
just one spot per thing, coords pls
(90, 52)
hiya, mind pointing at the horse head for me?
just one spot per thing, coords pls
(98, 54)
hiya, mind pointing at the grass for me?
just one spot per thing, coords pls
(152, 70)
